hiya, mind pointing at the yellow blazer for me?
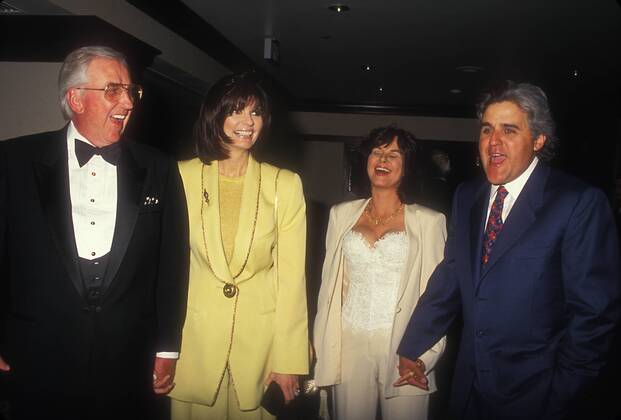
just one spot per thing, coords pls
(426, 232)
(264, 327)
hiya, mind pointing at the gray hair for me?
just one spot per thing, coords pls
(532, 100)
(73, 71)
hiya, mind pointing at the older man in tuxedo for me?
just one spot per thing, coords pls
(532, 263)
(93, 255)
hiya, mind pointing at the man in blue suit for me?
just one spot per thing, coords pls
(532, 264)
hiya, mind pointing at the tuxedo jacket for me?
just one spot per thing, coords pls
(539, 317)
(264, 327)
(53, 340)
(426, 232)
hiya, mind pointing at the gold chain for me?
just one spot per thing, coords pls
(254, 226)
(228, 352)
(378, 220)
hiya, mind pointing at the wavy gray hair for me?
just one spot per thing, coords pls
(73, 71)
(532, 100)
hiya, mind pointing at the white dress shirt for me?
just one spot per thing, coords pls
(93, 192)
(514, 188)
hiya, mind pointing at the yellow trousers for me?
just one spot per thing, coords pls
(226, 407)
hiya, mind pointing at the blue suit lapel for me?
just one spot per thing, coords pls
(477, 226)
(522, 216)
(52, 177)
(130, 181)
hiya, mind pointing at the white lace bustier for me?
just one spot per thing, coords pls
(374, 274)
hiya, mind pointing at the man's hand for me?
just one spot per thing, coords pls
(163, 375)
(412, 373)
(288, 383)
(4, 366)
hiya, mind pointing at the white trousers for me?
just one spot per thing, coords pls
(364, 360)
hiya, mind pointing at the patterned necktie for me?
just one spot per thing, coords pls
(494, 223)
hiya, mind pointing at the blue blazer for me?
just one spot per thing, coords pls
(540, 316)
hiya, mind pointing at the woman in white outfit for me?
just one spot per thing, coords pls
(380, 253)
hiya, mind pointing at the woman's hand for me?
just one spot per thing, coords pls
(412, 372)
(288, 383)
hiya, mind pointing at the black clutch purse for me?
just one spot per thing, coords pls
(273, 400)
(303, 406)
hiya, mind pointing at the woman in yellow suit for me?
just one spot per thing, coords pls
(246, 322)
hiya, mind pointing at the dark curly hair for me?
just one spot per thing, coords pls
(382, 136)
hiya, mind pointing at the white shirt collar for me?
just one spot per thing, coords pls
(515, 187)
(73, 133)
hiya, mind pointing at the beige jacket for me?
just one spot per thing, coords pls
(264, 327)
(426, 231)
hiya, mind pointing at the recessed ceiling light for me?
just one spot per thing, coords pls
(367, 67)
(469, 69)
(455, 91)
(381, 89)
(575, 73)
(339, 8)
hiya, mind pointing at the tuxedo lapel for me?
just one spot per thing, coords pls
(521, 217)
(52, 177)
(478, 214)
(130, 186)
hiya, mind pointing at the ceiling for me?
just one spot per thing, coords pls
(415, 48)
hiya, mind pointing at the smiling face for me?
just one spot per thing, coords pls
(385, 166)
(506, 144)
(243, 127)
(98, 119)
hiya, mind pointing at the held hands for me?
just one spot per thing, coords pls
(412, 373)
(163, 375)
(288, 383)
(4, 366)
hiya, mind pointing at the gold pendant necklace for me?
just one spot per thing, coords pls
(378, 220)
(230, 289)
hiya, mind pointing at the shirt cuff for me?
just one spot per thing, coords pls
(167, 354)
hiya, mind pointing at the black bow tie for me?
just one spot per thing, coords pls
(84, 152)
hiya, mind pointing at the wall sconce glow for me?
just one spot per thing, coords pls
(339, 8)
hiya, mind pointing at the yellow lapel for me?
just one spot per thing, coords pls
(211, 223)
(248, 215)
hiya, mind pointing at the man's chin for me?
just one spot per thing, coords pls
(493, 177)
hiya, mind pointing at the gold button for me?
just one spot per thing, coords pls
(229, 290)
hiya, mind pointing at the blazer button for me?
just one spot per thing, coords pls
(98, 309)
(480, 333)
